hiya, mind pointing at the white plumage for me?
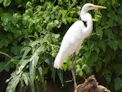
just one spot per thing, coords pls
(75, 35)
(71, 43)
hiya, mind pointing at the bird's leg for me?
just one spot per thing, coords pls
(73, 70)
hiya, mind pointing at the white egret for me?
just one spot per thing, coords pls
(75, 36)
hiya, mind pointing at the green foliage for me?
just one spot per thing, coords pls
(5, 2)
(30, 36)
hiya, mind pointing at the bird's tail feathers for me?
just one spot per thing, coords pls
(59, 61)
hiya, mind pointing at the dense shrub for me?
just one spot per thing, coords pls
(30, 36)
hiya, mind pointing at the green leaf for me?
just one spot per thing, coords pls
(113, 44)
(118, 83)
(99, 32)
(116, 68)
(2, 66)
(6, 3)
(102, 45)
(26, 51)
(109, 33)
(86, 68)
(23, 64)
(28, 5)
(5, 66)
(50, 26)
(60, 75)
(99, 66)
(102, 1)
(1, 1)
(41, 73)
(97, 18)
(34, 62)
(114, 2)
(13, 83)
(108, 77)
(25, 77)
(79, 70)
(56, 22)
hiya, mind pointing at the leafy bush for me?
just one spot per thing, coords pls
(33, 30)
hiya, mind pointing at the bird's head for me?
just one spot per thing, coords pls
(90, 6)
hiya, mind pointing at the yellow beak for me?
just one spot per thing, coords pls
(99, 7)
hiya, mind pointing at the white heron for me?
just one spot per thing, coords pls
(75, 36)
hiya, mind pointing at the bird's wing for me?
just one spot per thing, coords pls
(70, 43)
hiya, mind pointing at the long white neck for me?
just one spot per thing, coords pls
(85, 16)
